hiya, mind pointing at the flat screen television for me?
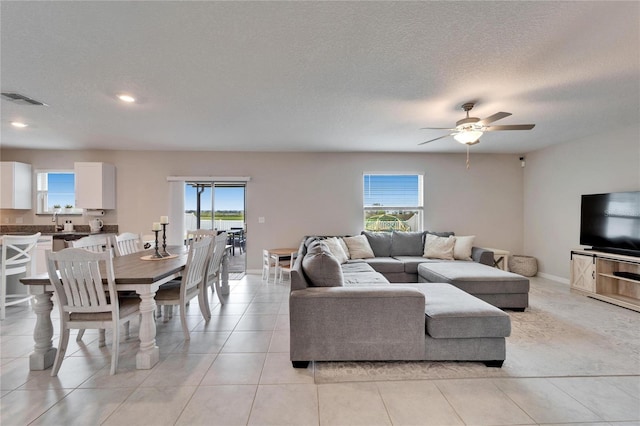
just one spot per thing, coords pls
(611, 222)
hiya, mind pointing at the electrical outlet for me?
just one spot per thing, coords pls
(261, 219)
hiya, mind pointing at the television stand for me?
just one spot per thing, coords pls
(609, 277)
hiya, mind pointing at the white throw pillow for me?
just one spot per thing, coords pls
(359, 247)
(462, 248)
(336, 249)
(439, 247)
(344, 247)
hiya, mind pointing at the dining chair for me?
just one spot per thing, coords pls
(269, 262)
(285, 265)
(238, 236)
(18, 253)
(213, 272)
(83, 303)
(193, 278)
(96, 243)
(127, 243)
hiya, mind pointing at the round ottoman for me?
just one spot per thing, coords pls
(523, 265)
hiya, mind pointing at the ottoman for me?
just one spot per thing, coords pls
(502, 289)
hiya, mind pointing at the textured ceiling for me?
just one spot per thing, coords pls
(315, 76)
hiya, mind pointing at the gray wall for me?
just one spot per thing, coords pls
(557, 176)
(307, 193)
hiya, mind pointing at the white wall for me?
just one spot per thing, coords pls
(308, 193)
(557, 176)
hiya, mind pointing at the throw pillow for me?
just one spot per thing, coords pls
(380, 243)
(442, 234)
(321, 267)
(462, 247)
(336, 249)
(344, 247)
(439, 247)
(359, 247)
(407, 243)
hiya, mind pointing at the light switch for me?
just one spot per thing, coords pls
(261, 219)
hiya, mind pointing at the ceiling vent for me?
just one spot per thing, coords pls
(21, 99)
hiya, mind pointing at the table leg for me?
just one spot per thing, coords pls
(43, 353)
(149, 353)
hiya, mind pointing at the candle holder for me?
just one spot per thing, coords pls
(157, 254)
(165, 253)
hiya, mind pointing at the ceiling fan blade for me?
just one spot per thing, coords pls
(495, 117)
(510, 127)
(436, 128)
(441, 137)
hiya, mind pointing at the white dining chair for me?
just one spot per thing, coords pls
(213, 272)
(285, 265)
(269, 263)
(18, 253)
(82, 300)
(127, 243)
(193, 278)
(95, 243)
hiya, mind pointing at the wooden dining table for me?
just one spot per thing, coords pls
(131, 273)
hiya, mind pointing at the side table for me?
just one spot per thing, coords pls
(500, 258)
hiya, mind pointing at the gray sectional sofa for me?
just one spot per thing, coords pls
(350, 310)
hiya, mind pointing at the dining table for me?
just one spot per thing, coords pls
(132, 272)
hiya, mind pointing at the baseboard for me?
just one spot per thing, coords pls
(554, 278)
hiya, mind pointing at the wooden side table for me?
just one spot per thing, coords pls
(500, 258)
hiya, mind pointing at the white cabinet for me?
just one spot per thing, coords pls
(15, 190)
(95, 185)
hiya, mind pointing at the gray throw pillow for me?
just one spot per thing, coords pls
(407, 243)
(380, 243)
(321, 267)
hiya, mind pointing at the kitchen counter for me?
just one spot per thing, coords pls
(78, 232)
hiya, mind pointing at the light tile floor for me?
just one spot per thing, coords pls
(235, 370)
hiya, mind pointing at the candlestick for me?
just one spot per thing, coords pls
(157, 254)
(165, 253)
(164, 220)
(156, 226)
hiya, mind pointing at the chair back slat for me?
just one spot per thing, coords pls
(78, 280)
(220, 244)
(17, 253)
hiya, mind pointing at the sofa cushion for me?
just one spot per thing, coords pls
(385, 264)
(359, 247)
(462, 247)
(321, 267)
(364, 278)
(439, 247)
(452, 313)
(411, 262)
(353, 267)
(336, 249)
(380, 243)
(407, 243)
(474, 278)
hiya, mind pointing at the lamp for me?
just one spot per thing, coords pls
(467, 136)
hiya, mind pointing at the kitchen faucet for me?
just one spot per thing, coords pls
(54, 218)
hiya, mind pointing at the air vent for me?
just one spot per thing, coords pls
(21, 99)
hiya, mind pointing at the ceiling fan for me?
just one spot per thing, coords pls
(469, 129)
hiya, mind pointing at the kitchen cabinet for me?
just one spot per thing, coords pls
(95, 185)
(15, 184)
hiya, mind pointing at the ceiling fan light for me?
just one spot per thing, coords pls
(467, 136)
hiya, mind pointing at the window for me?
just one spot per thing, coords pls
(55, 191)
(392, 202)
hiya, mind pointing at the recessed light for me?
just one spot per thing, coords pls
(126, 98)
(19, 124)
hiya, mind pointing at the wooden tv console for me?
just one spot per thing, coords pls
(598, 275)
